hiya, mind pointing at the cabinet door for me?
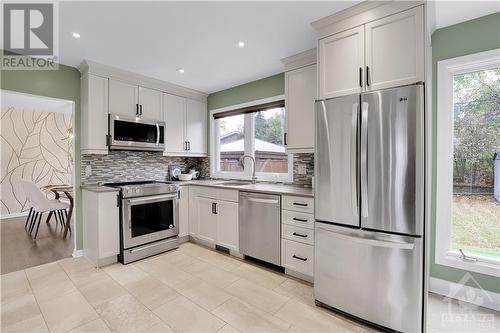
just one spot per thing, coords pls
(196, 127)
(123, 98)
(151, 102)
(109, 225)
(174, 113)
(207, 220)
(395, 50)
(341, 57)
(227, 224)
(94, 125)
(300, 91)
(184, 211)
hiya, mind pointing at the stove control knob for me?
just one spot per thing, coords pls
(137, 191)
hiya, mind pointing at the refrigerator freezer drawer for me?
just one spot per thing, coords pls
(297, 256)
(376, 277)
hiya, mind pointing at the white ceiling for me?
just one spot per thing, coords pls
(453, 12)
(156, 38)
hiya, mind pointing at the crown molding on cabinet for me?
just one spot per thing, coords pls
(300, 60)
(88, 66)
(359, 14)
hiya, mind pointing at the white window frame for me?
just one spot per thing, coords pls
(444, 180)
(249, 148)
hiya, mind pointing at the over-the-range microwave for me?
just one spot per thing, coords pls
(135, 133)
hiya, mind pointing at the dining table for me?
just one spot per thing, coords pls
(67, 190)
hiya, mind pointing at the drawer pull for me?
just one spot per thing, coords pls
(300, 220)
(300, 235)
(300, 204)
(300, 258)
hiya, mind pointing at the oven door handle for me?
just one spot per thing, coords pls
(153, 198)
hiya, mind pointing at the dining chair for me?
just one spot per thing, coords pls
(40, 205)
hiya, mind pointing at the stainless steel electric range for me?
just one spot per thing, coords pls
(148, 219)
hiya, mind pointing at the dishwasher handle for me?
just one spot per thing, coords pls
(265, 201)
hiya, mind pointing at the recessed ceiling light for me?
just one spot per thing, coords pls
(76, 34)
(241, 44)
(180, 70)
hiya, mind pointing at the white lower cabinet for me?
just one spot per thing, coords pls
(297, 257)
(101, 226)
(214, 218)
(183, 212)
(297, 236)
(207, 219)
(227, 225)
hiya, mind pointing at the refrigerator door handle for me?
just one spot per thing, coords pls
(364, 158)
(372, 241)
(354, 173)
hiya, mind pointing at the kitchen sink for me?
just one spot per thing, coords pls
(237, 183)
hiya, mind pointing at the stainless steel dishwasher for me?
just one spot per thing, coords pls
(260, 226)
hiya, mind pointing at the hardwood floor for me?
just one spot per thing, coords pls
(20, 251)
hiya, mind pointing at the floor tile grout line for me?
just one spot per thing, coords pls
(36, 300)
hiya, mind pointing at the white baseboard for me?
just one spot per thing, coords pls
(484, 298)
(77, 253)
(13, 215)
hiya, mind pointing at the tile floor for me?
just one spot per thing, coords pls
(192, 289)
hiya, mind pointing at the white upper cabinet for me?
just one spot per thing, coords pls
(196, 127)
(395, 50)
(375, 46)
(300, 96)
(150, 103)
(131, 100)
(341, 59)
(123, 98)
(94, 124)
(186, 126)
(174, 112)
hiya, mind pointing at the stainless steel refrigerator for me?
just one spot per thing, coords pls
(369, 206)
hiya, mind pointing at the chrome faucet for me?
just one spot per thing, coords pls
(242, 158)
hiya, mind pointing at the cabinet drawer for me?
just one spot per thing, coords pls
(298, 204)
(304, 220)
(297, 234)
(297, 256)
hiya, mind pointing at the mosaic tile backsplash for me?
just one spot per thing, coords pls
(120, 166)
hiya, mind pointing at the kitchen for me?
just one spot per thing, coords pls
(296, 201)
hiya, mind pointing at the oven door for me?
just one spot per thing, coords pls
(130, 133)
(149, 219)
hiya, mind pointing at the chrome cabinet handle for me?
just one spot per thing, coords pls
(367, 76)
(300, 204)
(361, 77)
(300, 220)
(300, 258)
(300, 235)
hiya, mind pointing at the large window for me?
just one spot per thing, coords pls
(257, 130)
(468, 160)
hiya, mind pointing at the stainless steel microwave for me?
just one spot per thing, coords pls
(135, 133)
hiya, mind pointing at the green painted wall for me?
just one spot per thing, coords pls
(263, 88)
(65, 84)
(473, 36)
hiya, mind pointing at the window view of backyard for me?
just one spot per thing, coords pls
(268, 145)
(476, 169)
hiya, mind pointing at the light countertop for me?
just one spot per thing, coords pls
(273, 188)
